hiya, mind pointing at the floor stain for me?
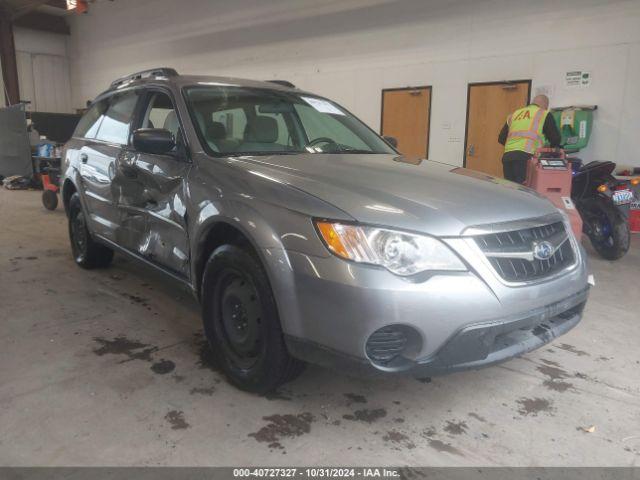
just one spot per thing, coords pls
(278, 395)
(533, 406)
(557, 385)
(556, 375)
(283, 426)
(477, 417)
(355, 398)
(455, 428)
(135, 299)
(176, 419)
(550, 362)
(572, 349)
(209, 391)
(393, 436)
(367, 415)
(121, 345)
(444, 447)
(429, 432)
(163, 367)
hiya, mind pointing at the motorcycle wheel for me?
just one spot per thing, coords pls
(609, 232)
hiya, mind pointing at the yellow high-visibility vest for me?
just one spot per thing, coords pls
(525, 129)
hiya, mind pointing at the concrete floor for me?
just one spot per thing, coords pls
(107, 368)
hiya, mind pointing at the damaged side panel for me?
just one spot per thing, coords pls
(150, 194)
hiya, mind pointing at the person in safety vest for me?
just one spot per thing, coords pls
(526, 130)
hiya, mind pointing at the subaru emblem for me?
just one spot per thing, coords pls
(543, 250)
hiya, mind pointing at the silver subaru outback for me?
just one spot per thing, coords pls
(308, 238)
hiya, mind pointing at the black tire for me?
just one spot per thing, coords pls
(50, 199)
(86, 252)
(241, 322)
(614, 243)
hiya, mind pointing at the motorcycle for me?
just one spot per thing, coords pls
(603, 203)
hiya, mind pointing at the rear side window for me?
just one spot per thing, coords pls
(90, 122)
(116, 121)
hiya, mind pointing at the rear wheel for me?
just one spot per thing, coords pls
(86, 252)
(609, 231)
(241, 322)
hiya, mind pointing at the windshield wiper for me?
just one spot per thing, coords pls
(347, 149)
(261, 153)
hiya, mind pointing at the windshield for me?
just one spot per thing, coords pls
(251, 121)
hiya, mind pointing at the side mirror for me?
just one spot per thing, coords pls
(153, 140)
(393, 141)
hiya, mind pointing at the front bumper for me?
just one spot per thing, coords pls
(329, 308)
(486, 344)
(475, 346)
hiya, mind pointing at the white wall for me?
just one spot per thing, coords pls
(2, 97)
(36, 41)
(350, 50)
(43, 70)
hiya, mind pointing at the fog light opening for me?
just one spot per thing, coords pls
(393, 347)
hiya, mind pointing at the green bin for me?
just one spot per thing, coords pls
(575, 124)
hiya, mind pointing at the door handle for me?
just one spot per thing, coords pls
(127, 163)
(128, 170)
(84, 157)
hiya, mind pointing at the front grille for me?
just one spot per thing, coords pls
(511, 253)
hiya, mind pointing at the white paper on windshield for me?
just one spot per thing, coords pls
(323, 106)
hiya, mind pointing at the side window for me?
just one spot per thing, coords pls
(117, 119)
(160, 114)
(90, 121)
(234, 121)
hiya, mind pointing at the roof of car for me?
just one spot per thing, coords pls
(169, 75)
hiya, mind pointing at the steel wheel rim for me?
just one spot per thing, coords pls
(239, 313)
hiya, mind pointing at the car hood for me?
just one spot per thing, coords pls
(423, 195)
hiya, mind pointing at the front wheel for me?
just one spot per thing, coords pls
(608, 231)
(241, 322)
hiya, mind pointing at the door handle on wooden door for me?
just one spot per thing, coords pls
(472, 150)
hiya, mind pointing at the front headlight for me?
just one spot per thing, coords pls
(400, 252)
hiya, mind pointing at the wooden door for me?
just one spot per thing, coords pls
(487, 109)
(405, 116)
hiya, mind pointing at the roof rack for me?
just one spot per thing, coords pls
(284, 83)
(153, 72)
